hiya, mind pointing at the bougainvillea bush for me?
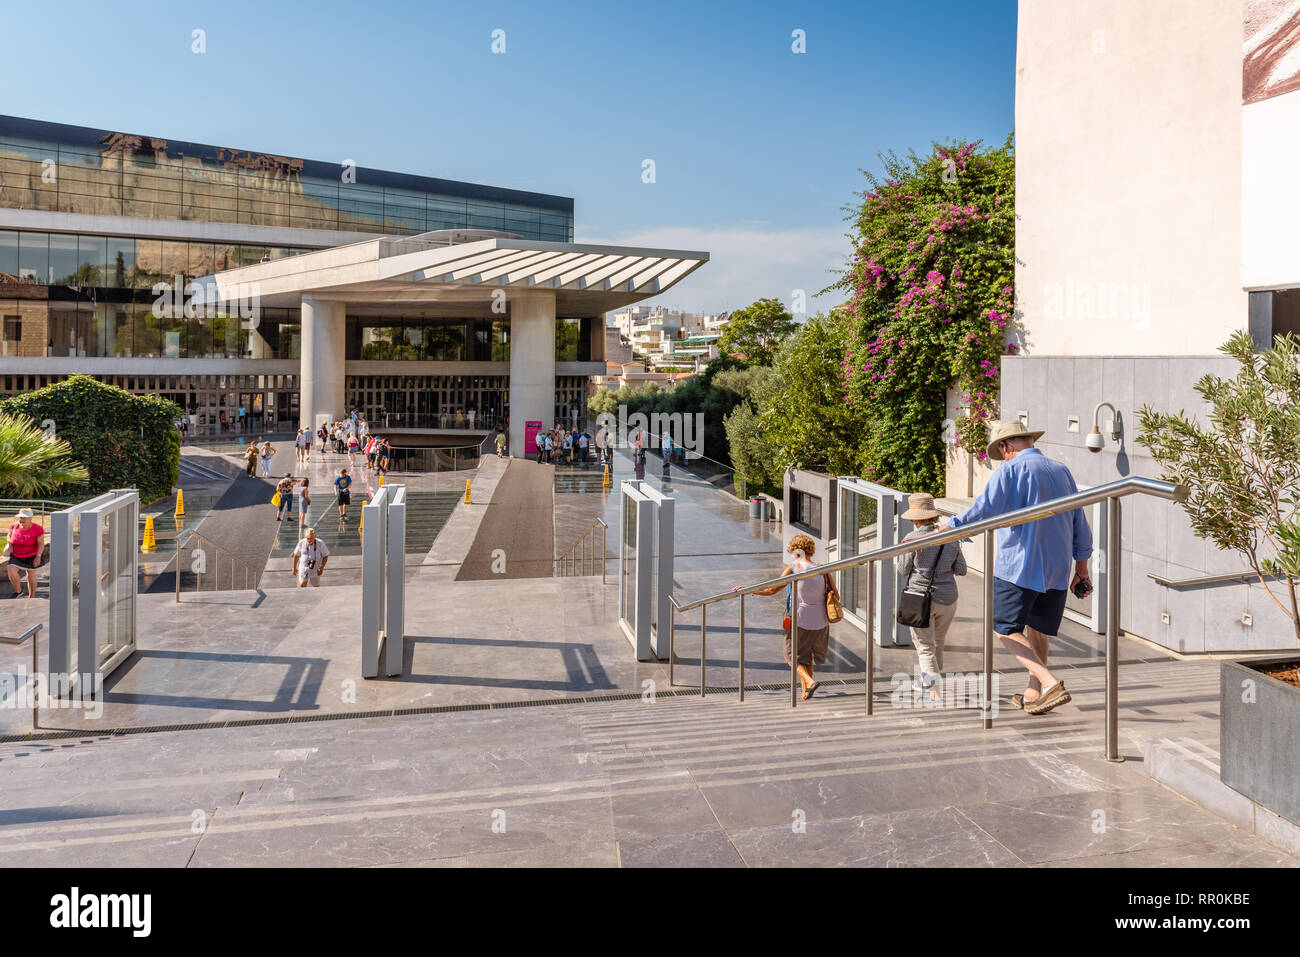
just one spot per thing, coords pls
(931, 306)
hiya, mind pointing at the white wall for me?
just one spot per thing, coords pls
(1270, 252)
(1128, 176)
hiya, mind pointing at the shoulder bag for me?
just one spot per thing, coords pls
(834, 610)
(914, 607)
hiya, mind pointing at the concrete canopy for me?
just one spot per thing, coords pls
(392, 274)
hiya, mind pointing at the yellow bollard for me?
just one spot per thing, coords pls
(381, 482)
(606, 481)
(362, 524)
(180, 503)
(467, 501)
(150, 543)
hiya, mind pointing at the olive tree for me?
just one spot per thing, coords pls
(1243, 467)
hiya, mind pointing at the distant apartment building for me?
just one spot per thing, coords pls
(670, 340)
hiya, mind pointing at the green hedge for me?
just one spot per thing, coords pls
(124, 440)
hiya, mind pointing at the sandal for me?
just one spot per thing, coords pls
(1054, 698)
(1018, 702)
(808, 692)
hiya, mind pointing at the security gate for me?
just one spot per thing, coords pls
(645, 569)
(383, 587)
(869, 520)
(94, 564)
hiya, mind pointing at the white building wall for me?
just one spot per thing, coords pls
(1128, 176)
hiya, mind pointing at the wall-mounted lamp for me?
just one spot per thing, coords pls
(1095, 441)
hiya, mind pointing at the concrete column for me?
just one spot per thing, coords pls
(532, 362)
(324, 327)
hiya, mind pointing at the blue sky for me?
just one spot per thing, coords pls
(756, 148)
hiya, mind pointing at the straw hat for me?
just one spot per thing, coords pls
(920, 508)
(26, 513)
(1001, 431)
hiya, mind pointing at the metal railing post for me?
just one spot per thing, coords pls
(36, 670)
(1112, 630)
(794, 645)
(989, 544)
(704, 614)
(672, 644)
(871, 638)
(742, 647)
(603, 531)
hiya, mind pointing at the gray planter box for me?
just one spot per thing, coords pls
(1259, 741)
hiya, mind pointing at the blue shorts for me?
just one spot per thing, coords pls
(1016, 608)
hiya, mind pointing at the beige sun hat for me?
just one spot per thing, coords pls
(25, 513)
(1001, 431)
(920, 508)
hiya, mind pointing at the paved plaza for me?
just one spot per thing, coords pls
(523, 732)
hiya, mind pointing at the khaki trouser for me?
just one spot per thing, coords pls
(929, 641)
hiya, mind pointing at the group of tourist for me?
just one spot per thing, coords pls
(1035, 565)
(559, 445)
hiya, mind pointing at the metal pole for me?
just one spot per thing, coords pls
(742, 647)
(36, 670)
(704, 660)
(672, 640)
(986, 704)
(1112, 631)
(794, 646)
(871, 638)
(603, 531)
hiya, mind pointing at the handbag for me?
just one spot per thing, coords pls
(834, 610)
(275, 499)
(914, 607)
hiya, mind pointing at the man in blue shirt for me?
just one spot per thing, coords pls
(1033, 565)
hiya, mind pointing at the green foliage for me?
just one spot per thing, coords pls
(31, 463)
(754, 332)
(124, 440)
(1241, 469)
(931, 302)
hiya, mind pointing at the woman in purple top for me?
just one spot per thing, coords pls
(814, 628)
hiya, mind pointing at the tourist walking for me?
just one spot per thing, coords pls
(323, 433)
(304, 502)
(25, 547)
(1033, 566)
(931, 571)
(813, 625)
(266, 453)
(250, 454)
(667, 452)
(284, 488)
(303, 446)
(501, 444)
(343, 486)
(353, 445)
(309, 558)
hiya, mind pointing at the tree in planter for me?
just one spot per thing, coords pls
(32, 463)
(1242, 470)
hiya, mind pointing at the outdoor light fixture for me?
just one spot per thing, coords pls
(1095, 442)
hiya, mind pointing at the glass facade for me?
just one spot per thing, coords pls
(94, 323)
(120, 262)
(51, 166)
(444, 340)
(212, 402)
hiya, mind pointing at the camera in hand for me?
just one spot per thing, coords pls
(1082, 588)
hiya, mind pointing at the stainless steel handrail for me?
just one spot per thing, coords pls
(1205, 579)
(250, 574)
(1110, 492)
(570, 564)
